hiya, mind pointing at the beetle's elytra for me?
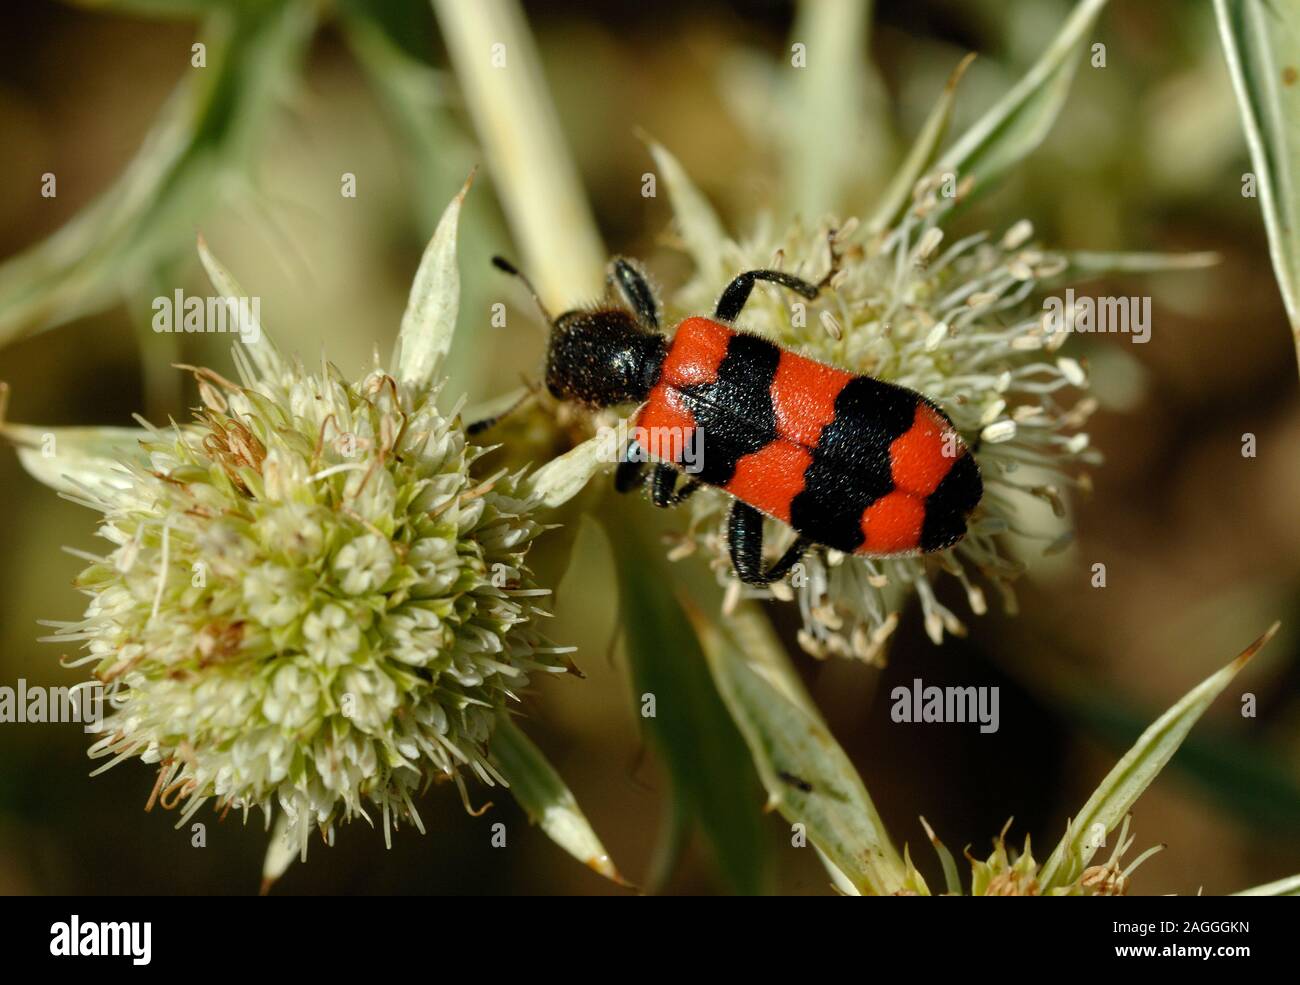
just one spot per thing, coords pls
(850, 462)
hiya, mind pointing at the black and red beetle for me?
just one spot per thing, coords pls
(850, 462)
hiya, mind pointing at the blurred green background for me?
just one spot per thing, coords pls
(1200, 543)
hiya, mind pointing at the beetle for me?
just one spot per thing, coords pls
(849, 462)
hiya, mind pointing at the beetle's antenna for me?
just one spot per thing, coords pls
(501, 263)
(478, 427)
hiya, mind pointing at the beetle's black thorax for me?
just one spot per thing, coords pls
(602, 357)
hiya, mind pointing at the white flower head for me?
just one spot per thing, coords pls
(951, 320)
(304, 609)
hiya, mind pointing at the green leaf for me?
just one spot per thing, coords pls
(429, 321)
(1238, 776)
(393, 43)
(1019, 121)
(562, 478)
(839, 880)
(921, 154)
(808, 777)
(701, 229)
(1283, 887)
(256, 342)
(407, 25)
(281, 852)
(77, 460)
(542, 794)
(416, 96)
(690, 730)
(952, 881)
(203, 136)
(1261, 41)
(1113, 799)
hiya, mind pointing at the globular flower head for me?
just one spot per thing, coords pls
(951, 320)
(311, 602)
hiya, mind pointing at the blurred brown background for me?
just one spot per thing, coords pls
(1200, 543)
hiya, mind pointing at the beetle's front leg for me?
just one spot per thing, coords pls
(737, 292)
(630, 472)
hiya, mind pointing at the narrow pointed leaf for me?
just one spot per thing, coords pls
(430, 318)
(389, 43)
(690, 730)
(951, 880)
(749, 630)
(259, 346)
(544, 797)
(560, 479)
(531, 166)
(1283, 887)
(1115, 797)
(701, 229)
(839, 880)
(921, 154)
(1261, 41)
(203, 139)
(1236, 775)
(808, 777)
(1019, 121)
(823, 157)
(280, 853)
(74, 459)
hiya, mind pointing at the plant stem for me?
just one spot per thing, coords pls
(537, 183)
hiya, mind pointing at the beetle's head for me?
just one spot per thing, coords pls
(602, 357)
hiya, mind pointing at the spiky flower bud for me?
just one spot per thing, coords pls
(1010, 873)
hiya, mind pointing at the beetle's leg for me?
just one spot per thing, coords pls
(793, 555)
(663, 487)
(737, 293)
(687, 490)
(745, 540)
(663, 480)
(630, 472)
(632, 284)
